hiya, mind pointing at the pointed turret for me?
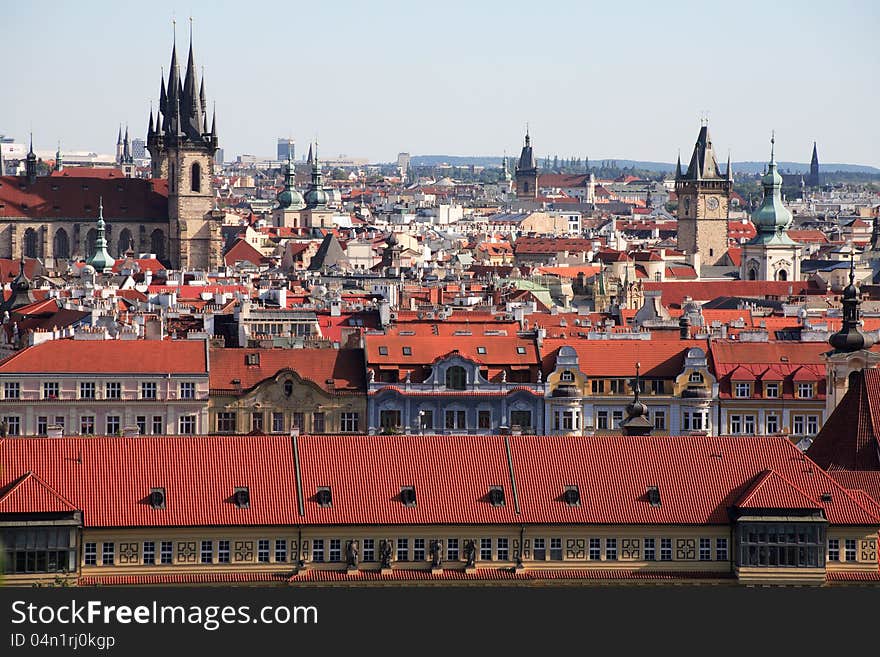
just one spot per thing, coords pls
(214, 123)
(30, 167)
(703, 165)
(190, 103)
(101, 260)
(126, 147)
(163, 98)
(729, 174)
(59, 164)
(119, 137)
(202, 98)
(813, 180)
(150, 127)
(316, 196)
(310, 159)
(678, 173)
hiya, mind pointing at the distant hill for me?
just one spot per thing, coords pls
(738, 167)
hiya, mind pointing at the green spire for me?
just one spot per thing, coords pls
(102, 261)
(772, 219)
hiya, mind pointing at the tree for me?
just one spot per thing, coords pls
(338, 174)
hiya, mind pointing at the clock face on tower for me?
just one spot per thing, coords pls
(712, 203)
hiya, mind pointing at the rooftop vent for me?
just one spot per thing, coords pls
(408, 495)
(572, 496)
(157, 498)
(653, 495)
(323, 497)
(242, 497)
(825, 497)
(496, 496)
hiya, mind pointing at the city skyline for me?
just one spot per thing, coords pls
(469, 93)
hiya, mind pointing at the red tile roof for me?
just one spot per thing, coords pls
(242, 251)
(618, 358)
(771, 490)
(865, 480)
(551, 245)
(29, 494)
(674, 292)
(60, 197)
(110, 356)
(344, 366)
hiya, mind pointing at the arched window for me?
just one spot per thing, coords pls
(195, 179)
(171, 176)
(782, 275)
(687, 206)
(157, 243)
(61, 244)
(91, 238)
(753, 275)
(125, 242)
(456, 378)
(31, 244)
(288, 388)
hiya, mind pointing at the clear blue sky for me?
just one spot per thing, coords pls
(599, 79)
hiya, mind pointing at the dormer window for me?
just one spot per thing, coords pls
(695, 377)
(157, 498)
(743, 389)
(324, 497)
(242, 497)
(771, 389)
(408, 495)
(653, 495)
(572, 496)
(252, 359)
(567, 376)
(288, 388)
(496, 496)
(456, 378)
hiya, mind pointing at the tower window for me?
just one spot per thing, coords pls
(171, 176)
(196, 177)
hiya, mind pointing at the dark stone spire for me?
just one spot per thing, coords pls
(20, 296)
(703, 165)
(126, 147)
(637, 422)
(119, 141)
(31, 163)
(190, 103)
(813, 180)
(163, 98)
(678, 173)
(527, 157)
(850, 337)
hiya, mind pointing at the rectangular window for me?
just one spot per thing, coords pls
(113, 390)
(601, 419)
(503, 549)
(540, 549)
(452, 549)
(335, 551)
(426, 418)
(186, 425)
(263, 550)
(484, 419)
(797, 425)
(148, 390)
(485, 549)
(833, 549)
(158, 425)
(407, 351)
(383, 351)
(87, 390)
(114, 425)
(108, 552)
(166, 552)
(141, 422)
(695, 377)
(207, 552)
(849, 546)
(665, 549)
(456, 419)
(771, 390)
(743, 390)
(13, 425)
(257, 421)
(388, 419)
(616, 418)
(598, 386)
(521, 419)
(749, 424)
(42, 425)
(90, 554)
(403, 549)
(721, 553)
(277, 422)
(650, 554)
(772, 424)
(805, 390)
(705, 549)
(418, 549)
(812, 425)
(317, 423)
(567, 376)
(298, 421)
(735, 424)
(59, 421)
(11, 390)
(226, 422)
(660, 420)
(610, 549)
(149, 553)
(188, 390)
(595, 549)
(318, 550)
(369, 551)
(618, 387)
(349, 422)
(556, 549)
(280, 551)
(87, 425)
(222, 551)
(657, 386)
(50, 390)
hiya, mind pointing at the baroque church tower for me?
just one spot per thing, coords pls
(703, 202)
(182, 149)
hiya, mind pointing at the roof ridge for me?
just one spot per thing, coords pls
(762, 480)
(31, 475)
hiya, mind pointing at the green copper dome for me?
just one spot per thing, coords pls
(102, 261)
(289, 197)
(772, 219)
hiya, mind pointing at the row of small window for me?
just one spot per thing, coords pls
(279, 328)
(612, 419)
(88, 390)
(186, 424)
(227, 422)
(801, 425)
(772, 389)
(209, 552)
(623, 386)
(454, 419)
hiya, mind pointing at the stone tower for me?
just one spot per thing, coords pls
(703, 202)
(182, 149)
(814, 180)
(526, 174)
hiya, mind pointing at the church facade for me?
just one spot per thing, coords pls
(53, 217)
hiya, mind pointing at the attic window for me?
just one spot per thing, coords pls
(496, 496)
(54, 188)
(85, 188)
(383, 351)
(826, 497)
(653, 494)
(407, 351)
(157, 498)
(242, 497)
(324, 497)
(408, 495)
(572, 496)
(252, 359)
(481, 350)
(520, 350)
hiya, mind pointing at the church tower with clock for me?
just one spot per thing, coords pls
(703, 202)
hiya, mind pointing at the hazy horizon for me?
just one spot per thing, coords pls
(461, 79)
